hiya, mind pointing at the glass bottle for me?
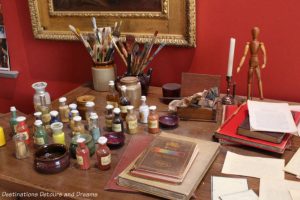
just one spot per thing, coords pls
(131, 121)
(94, 129)
(153, 126)
(117, 123)
(109, 117)
(124, 102)
(90, 107)
(22, 129)
(41, 97)
(38, 115)
(72, 106)
(103, 154)
(112, 98)
(63, 110)
(58, 134)
(143, 111)
(74, 113)
(46, 117)
(13, 120)
(54, 116)
(133, 89)
(40, 135)
(78, 126)
(82, 154)
(21, 148)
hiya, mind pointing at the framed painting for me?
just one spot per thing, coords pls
(4, 56)
(175, 20)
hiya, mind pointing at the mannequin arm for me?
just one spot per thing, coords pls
(243, 58)
(264, 54)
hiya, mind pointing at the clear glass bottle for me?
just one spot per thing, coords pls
(117, 123)
(40, 135)
(103, 154)
(90, 107)
(78, 126)
(109, 117)
(153, 126)
(41, 98)
(54, 116)
(124, 102)
(21, 148)
(131, 121)
(134, 90)
(143, 111)
(63, 110)
(82, 154)
(72, 106)
(95, 129)
(22, 129)
(13, 120)
(74, 113)
(112, 98)
(58, 134)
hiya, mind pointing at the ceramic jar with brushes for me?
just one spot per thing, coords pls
(102, 73)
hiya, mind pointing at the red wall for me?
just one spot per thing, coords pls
(65, 65)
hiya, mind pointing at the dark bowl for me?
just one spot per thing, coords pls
(51, 159)
(115, 140)
(89, 142)
(168, 121)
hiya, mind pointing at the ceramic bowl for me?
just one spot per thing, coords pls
(115, 140)
(51, 159)
(89, 142)
(81, 101)
(168, 121)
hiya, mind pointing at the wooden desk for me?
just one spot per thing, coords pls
(19, 175)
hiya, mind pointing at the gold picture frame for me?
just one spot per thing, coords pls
(175, 22)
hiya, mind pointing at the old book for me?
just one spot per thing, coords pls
(244, 129)
(205, 157)
(164, 154)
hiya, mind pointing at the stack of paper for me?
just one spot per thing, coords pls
(245, 195)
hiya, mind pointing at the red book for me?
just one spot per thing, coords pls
(228, 131)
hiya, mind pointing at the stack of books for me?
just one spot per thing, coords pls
(171, 167)
(261, 129)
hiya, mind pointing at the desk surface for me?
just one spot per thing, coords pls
(19, 175)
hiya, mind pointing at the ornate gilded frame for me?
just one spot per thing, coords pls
(176, 23)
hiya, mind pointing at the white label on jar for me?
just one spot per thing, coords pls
(25, 134)
(108, 123)
(106, 160)
(132, 124)
(153, 124)
(117, 128)
(79, 160)
(123, 109)
(39, 141)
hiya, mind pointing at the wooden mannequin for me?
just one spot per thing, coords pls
(255, 46)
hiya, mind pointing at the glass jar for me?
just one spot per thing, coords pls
(131, 121)
(21, 148)
(40, 135)
(22, 129)
(58, 134)
(78, 126)
(13, 120)
(109, 117)
(72, 106)
(143, 111)
(112, 98)
(74, 113)
(82, 154)
(133, 90)
(117, 123)
(41, 98)
(63, 110)
(90, 107)
(124, 102)
(153, 126)
(94, 127)
(103, 154)
(54, 116)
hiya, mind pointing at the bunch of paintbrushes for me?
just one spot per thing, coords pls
(136, 57)
(99, 44)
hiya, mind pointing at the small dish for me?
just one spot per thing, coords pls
(89, 142)
(51, 159)
(168, 121)
(115, 140)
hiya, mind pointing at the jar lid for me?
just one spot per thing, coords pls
(62, 99)
(111, 83)
(80, 140)
(109, 107)
(102, 140)
(123, 88)
(152, 108)
(143, 98)
(90, 104)
(93, 117)
(57, 126)
(93, 114)
(39, 85)
(38, 122)
(130, 107)
(73, 106)
(129, 80)
(117, 110)
(74, 111)
(77, 118)
(12, 109)
(37, 114)
(54, 113)
(21, 119)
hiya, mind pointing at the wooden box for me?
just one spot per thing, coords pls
(197, 114)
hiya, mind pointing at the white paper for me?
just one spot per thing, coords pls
(253, 166)
(295, 108)
(246, 195)
(273, 117)
(270, 189)
(293, 166)
(225, 185)
(295, 194)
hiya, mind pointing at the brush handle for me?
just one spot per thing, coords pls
(129, 65)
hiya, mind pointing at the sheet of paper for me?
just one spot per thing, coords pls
(295, 108)
(253, 166)
(295, 194)
(246, 195)
(225, 185)
(270, 189)
(293, 165)
(273, 117)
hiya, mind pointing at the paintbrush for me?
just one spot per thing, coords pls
(154, 54)
(130, 40)
(73, 29)
(118, 50)
(150, 48)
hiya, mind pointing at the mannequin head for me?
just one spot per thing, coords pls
(255, 32)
